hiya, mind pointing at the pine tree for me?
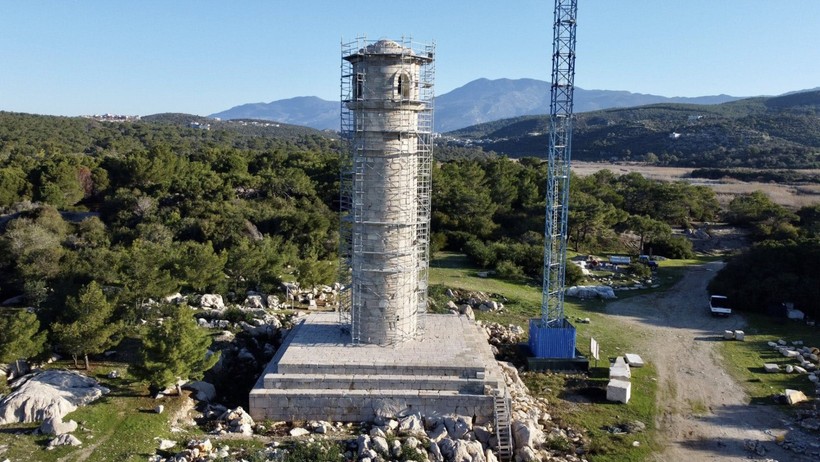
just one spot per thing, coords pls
(88, 327)
(19, 337)
(176, 348)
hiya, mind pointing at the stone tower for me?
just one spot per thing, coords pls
(381, 362)
(385, 228)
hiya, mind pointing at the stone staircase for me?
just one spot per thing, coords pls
(318, 375)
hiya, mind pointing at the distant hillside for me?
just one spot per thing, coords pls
(764, 132)
(479, 101)
(309, 111)
(250, 127)
(486, 100)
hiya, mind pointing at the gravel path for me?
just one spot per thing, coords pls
(704, 415)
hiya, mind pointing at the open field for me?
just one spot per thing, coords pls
(700, 397)
(788, 195)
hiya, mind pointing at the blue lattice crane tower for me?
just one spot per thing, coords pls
(552, 336)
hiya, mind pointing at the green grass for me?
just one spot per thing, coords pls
(121, 426)
(450, 270)
(744, 360)
(579, 401)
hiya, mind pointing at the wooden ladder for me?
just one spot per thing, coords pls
(503, 431)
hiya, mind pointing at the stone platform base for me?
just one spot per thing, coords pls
(317, 374)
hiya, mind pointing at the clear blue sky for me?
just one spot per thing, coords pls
(144, 57)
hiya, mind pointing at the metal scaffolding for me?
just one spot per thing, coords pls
(387, 118)
(563, 76)
(552, 336)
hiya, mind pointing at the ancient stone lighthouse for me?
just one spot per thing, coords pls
(373, 358)
(387, 120)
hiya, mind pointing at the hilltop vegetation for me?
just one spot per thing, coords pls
(100, 220)
(148, 208)
(174, 206)
(778, 132)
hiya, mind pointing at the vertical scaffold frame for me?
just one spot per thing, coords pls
(362, 176)
(552, 335)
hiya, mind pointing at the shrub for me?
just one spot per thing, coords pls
(235, 315)
(509, 270)
(639, 270)
(574, 275)
(479, 253)
(315, 452)
(673, 247)
(438, 242)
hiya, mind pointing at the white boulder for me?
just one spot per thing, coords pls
(64, 440)
(203, 391)
(56, 426)
(604, 292)
(771, 368)
(46, 394)
(212, 301)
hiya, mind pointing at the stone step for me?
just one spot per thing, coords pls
(361, 405)
(350, 382)
(380, 369)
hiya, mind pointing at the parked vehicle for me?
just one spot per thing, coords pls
(648, 261)
(719, 305)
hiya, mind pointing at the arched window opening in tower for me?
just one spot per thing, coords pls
(403, 86)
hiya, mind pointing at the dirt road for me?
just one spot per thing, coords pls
(704, 415)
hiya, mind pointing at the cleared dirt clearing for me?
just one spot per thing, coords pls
(703, 414)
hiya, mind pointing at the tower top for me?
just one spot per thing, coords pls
(389, 48)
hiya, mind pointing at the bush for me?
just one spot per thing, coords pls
(574, 275)
(438, 242)
(315, 452)
(673, 247)
(480, 254)
(639, 270)
(235, 315)
(509, 270)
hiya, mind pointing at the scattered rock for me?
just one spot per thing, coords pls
(165, 445)
(584, 292)
(56, 426)
(53, 393)
(795, 396)
(411, 425)
(64, 440)
(379, 444)
(238, 421)
(298, 431)
(203, 391)
(634, 426)
(212, 301)
(527, 433)
(771, 368)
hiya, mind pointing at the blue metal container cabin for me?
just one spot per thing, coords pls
(552, 341)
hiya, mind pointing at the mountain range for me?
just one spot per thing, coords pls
(760, 132)
(482, 100)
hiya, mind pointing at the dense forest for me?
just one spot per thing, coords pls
(101, 220)
(777, 132)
